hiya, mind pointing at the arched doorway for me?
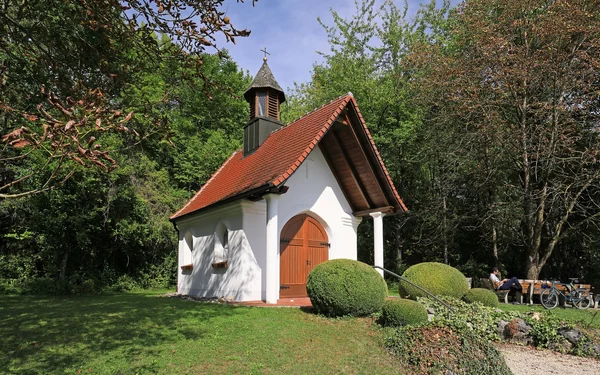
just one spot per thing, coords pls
(304, 244)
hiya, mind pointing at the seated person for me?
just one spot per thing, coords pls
(505, 284)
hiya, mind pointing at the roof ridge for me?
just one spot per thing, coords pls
(309, 113)
(316, 109)
(315, 141)
(206, 184)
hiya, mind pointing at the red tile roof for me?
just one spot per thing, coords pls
(274, 161)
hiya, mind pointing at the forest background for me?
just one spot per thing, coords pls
(485, 114)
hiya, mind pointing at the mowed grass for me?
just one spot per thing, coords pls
(589, 317)
(149, 334)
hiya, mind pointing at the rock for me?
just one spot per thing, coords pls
(515, 331)
(561, 347)
(573, 335)
(523, 327)
(501, 326)
(430, 311)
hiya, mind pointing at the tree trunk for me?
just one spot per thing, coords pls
(495, 245)
(63, 266)
(398, 249)
(533, 271)
(444, 229)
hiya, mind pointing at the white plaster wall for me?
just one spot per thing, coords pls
(241, 280)
(314, 190)
(255, 227)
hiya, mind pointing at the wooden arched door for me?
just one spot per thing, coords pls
(303, 245)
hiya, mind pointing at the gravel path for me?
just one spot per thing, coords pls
(528, 361)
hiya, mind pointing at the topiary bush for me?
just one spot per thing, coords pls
(439, 279)
(399, 312)
(485, 296)
(441, 349)
(346, 287)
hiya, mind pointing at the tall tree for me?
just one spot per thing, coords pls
(63, 65)
(521, 81)
(99, 226)
(366, 56)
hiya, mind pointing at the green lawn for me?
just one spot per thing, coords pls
(393, 289)
(149, 334)
(584, 318)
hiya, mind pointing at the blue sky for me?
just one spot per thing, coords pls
(290, 31)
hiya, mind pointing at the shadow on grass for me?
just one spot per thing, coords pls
(42, 335)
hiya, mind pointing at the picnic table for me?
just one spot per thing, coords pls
(532, 288)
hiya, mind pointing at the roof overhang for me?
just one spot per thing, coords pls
(339, 130)
(358, 167)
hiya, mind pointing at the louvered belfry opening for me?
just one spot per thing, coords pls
(265, 104)
(264, 97)
(252, 109)
(273, 107)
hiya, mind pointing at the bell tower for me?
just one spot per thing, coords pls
(264, 97)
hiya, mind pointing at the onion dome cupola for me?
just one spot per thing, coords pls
(264, 96)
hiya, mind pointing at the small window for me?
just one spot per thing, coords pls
(222, 246)
(262, 103)
(188, 247)
(225, 242)
(221, 254)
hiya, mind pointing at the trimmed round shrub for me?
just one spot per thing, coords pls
(485, 296)
(346, 287)
(437, 278)
(399, 312)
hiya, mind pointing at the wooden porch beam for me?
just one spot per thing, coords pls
(343, 118)
(351, 127)
(353, 174)
(384, 210)
(336, 172)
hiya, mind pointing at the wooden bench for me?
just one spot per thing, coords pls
(527, 290)
(536, 288)
(540, 285)
(587, 288)
(595, 291)
(502, 294)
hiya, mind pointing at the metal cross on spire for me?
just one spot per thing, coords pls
(266, 53)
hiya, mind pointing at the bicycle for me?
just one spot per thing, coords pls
(579, 297)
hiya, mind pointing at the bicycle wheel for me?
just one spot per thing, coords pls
(582, 300)
(549, 299)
